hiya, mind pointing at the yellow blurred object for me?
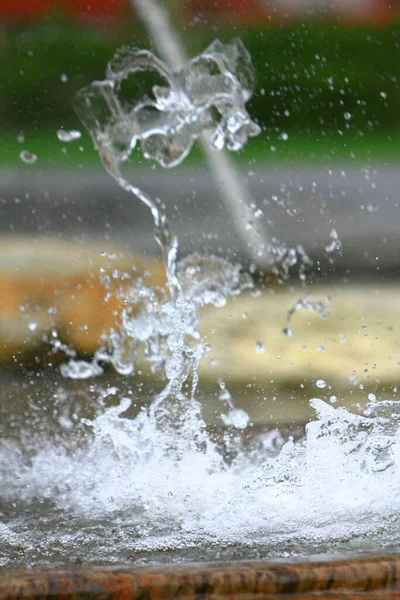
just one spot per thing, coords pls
(72, 288)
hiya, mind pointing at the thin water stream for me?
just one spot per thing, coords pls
(94, 471)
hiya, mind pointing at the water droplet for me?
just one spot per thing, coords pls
(68, 136)
(371, 397)
(28, 157)
(64, 78)
(32, 325)
(260, 347)
(79, 369)
(236, 418)
(20, 138)
(347, 116)
(383, 95)
(224, 394)
(321, 383)
(333, 399)
(335, 244)
(284, 136)
(287, 331)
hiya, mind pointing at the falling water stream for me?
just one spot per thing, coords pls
(121, 471)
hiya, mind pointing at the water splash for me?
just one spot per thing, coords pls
(160, 475)
(164, 328)
(285, 258)
(167, 124)
(179, 111)
(236, 417)
(339, 482)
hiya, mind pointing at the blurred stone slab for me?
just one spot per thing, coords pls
(300, 205)
(51, 289)
(354, 351)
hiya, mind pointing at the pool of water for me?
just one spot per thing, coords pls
(88, 479)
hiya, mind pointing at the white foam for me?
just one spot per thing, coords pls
(342, 480)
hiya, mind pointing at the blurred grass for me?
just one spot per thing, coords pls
(335, 90)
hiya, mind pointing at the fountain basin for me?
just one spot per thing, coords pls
(374, 577)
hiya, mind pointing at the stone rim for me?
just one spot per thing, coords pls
(355, 578)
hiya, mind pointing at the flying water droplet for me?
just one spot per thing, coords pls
(33, 325)
(260, 347)
(28, 157)
(335, 244)
(224, 394)
(321, 383)
(68, 136)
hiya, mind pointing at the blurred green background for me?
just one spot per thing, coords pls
(331, 84)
